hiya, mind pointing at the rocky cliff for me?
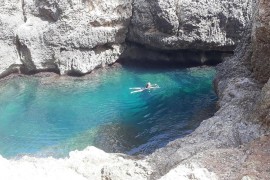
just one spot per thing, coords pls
(69, 37)
(189, 24)
(233, 144)
(260, 61)
(76, 36)
(186, 31)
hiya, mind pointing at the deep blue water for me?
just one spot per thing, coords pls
(51, 116)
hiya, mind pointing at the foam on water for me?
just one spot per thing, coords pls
(51, 116)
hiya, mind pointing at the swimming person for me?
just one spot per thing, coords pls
(148, 85)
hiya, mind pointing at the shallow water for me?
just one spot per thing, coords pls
(51, 116)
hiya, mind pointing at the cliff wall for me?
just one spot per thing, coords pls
(76, 36)
(188, 24)
(68, 37)
(260, 61)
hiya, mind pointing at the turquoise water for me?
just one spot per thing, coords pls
(51, 116)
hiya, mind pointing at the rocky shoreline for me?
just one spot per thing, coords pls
(233, 144)
(226, 146)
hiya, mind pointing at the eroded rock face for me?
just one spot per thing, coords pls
(189, 24)
(74, 36)
(11, 17)
(261, 42)
(261, 112)
(260, 61)
(69, 37)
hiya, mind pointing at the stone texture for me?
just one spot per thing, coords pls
(217, 143)
(237, 92)
(68, 37)
(74, 36)
(261, 112)
(260, 61)
(188, 171)
(11, 17)
(248, 162)
(261, 42)
(91, 163)
(189, 24)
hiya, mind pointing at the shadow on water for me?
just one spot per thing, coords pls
(150, 131)
(166, 116)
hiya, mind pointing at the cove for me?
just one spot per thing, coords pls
(51, 115)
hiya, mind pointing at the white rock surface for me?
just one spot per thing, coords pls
(189, 171)
(91, 163)
(189, 24)
(11, 17)
(63, 36)
(76, 36)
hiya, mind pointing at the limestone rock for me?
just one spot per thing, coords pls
(11, 17)
(261, 42)
(261, 112)
(189, 171)
(62, 36)
(189, 24)
(226, 131)
(91, 163)
(73, 36)
(260, 61)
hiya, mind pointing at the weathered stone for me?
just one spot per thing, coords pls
(261, 42)
(88, 34)
(11, 17)
(62, 36)
(91, 163)
(189, 24)
(45, 32)
(261, 112)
